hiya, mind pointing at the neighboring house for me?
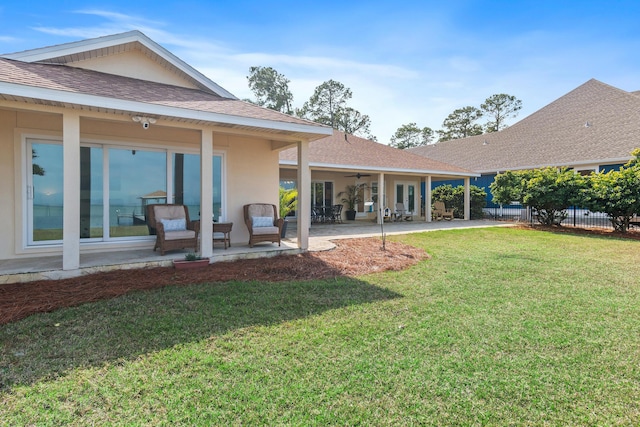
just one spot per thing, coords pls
(391, 175)
(595, 127)
(91, 131)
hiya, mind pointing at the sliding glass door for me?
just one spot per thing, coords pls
(116, 185)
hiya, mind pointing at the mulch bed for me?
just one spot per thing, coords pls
(351, 257)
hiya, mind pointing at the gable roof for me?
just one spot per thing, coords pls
(593, 124)
(61, 85)
(75, 52)
(341, 151)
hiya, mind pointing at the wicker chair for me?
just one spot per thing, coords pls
(263, 223)
(172, 227)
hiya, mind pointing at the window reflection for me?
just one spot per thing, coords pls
(136, 178)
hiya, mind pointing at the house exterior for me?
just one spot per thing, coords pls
(390, 175)
(595, 127)
(91, 131)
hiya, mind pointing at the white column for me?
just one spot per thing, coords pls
(71, 185)
(382, 193)
(467, 198)
(304, 195)
(206, 194)
(427, 198)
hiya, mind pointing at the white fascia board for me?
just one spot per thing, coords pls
(381, 169)
(42, 54)
(155, 110)
(600, 162)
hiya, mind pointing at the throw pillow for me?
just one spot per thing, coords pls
(174, 224)
(262, 221)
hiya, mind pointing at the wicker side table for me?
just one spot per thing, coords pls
(222, 233)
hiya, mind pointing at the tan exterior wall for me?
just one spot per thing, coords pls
(250, 169)
(133, 64)
(7, 183)
(252, 177)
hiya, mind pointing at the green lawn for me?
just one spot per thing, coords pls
(500, 327)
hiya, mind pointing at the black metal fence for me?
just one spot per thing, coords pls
(576, 217)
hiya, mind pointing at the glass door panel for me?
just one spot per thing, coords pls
(45, 193)
(91, 194)
(136, 178)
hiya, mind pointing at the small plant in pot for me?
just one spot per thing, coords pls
(351, 196)
(191, 260)
(288, 203)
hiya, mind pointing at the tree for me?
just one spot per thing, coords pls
(328, 105)
(461, 123)
(508, 187)
(616, 193)
(499, 107)
(271, 89)
(326, 102)
(37, 169)
(352, 122)
(549, 191)
(410, 135)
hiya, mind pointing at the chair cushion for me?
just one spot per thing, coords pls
(174, 224)
(262, 221)
(260, 231)
(179, 235)
(259, 209)
(168, 212)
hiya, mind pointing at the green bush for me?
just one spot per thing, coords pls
(549, 191)
(454, 198)
(616, 193)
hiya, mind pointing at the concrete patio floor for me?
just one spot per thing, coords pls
(320, 238)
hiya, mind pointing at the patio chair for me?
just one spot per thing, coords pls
(263, 223)
(172, 227)
(440, 211)
(336, 213)
(402, 214)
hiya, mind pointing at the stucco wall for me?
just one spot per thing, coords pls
(7, 183)
(250, 168)
(252, 177)
(133, 64)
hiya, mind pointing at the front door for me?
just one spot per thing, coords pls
(406, 194)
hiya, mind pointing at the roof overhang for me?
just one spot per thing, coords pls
(378, 169)
(609, 161)
(65, 99)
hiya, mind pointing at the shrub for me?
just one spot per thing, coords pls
(454, 198)
(616, 193)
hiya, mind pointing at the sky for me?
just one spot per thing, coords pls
(404, 61)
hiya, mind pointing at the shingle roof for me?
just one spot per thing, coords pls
(73, 80)
(354, 153)
(593, 124)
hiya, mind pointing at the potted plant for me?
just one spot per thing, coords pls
(191, 260)
(351, 196)
(288, 203)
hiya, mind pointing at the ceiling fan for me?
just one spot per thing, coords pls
(358, 175)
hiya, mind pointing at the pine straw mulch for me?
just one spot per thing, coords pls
(351, 257)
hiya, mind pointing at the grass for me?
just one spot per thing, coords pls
(499, 327)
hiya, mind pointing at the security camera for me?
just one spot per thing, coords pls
(145, 121)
